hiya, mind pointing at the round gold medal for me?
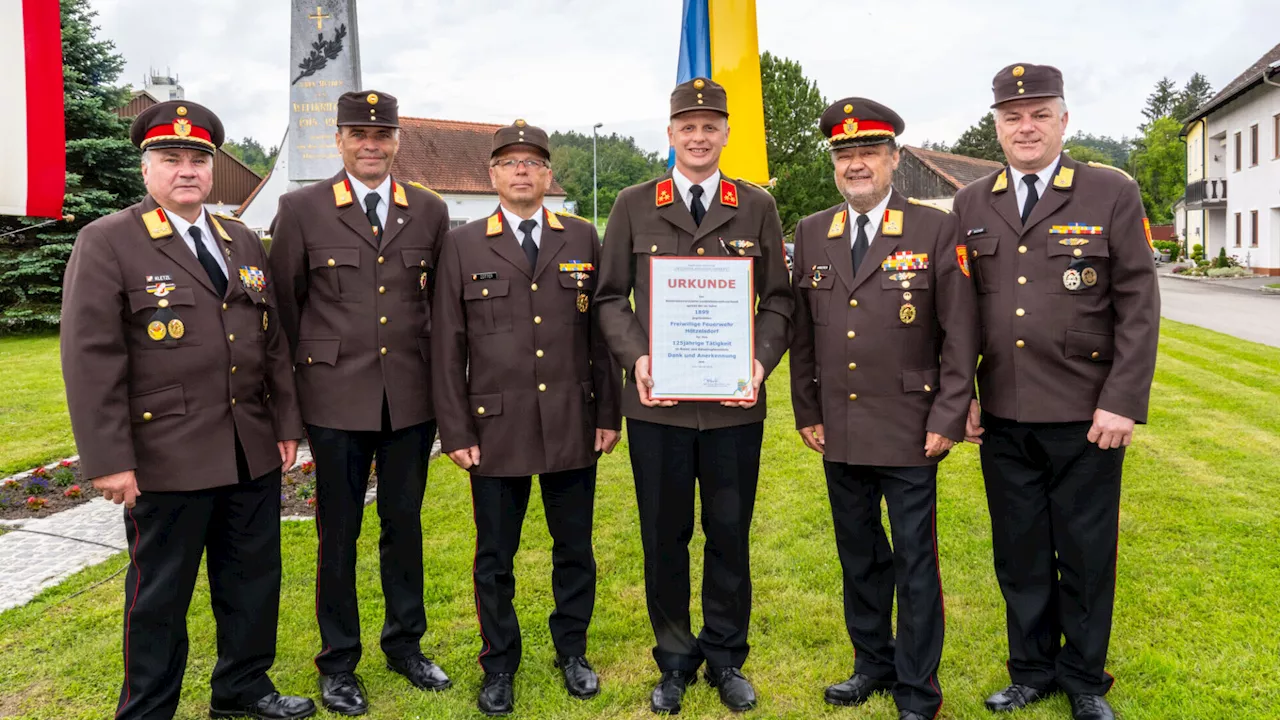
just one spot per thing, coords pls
(1089, 277)
(155, 330)
(177, 329)
(907, 313)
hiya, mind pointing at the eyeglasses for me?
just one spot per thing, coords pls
(531, 164)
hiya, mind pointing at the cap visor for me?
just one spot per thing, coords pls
(682, 111)
(1027, 96)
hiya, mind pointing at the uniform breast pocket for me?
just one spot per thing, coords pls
(417, 265)
(578, 288)
(160, 322)
(653, 244)
(335, 272)
(909, 296)
(1083, 264)
(818, 292)
(742, 246)
(488, 306)
(984, 262)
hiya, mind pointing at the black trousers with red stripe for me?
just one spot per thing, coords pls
(237, 528)
(872, 572)
(1054, 499)
(499, 504)
(343, 462)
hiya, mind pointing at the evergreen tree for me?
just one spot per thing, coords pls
(102, 175)
(1194, 95)
(1161, 101)
(980, 141)
(251, 153)
(796, 148)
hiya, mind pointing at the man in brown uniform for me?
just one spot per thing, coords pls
(525, 386)
(694, 211)
(183, 406)
(1070, 315)
(354, 257)
(882, 363)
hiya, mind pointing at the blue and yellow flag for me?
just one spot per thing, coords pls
(718, 40)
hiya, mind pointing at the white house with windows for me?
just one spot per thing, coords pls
(1233, 169)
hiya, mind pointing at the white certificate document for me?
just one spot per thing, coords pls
(701, 328)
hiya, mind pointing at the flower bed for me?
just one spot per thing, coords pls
(298, 490)
(45, 491)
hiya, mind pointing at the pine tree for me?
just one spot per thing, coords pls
(102, 175)
(1194, 95)
(1161, 101)
(980, 141)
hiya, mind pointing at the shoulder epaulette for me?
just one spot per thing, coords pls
(228, 216)
(1093, 164)
(566, 213)
(929, 204)
(420, 186)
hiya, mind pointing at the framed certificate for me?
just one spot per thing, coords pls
(701, 328)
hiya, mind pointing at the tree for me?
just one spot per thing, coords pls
(102, 175)
(1160, 166)
(1115, 152)
(1194, 95)
(621, 163)
(251, 153)
(1084, 154)
(796, 148)
(980, 141)
(935, 146)
(1161, 101)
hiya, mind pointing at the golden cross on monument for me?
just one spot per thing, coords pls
(319, 17)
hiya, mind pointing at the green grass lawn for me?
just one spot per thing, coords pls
(1195, 630)
(34, 427)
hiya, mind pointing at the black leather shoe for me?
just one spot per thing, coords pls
(1016, 697)
(496, 694)
(1091, 707)
(911, 715)
(424, 674)
(856, 690)
(343, 693)
(735, 689)
(667, 695)
(272, 707)
(579, 679)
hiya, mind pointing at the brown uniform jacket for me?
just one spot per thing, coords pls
(886, 356)
(172, 409)
(356, 308)
(1049, 353)
(521, 368)
(651, 219)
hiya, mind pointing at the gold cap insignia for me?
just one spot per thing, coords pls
(848, 108)
(181, 128)
(699, 84)
(1018, 71)
(520, 122)
(182, 111)
(850, 126)
(373, 98)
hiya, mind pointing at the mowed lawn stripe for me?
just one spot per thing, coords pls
(1194, 630)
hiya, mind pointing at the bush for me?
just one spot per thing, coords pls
(1228, 272)
(1167, 247)
(1197, 252)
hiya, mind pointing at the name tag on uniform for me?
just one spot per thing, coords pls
(484, 276)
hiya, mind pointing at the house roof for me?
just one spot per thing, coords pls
(1244, 82)
(958, 170)
(448, 156)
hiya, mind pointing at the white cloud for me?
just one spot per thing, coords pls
(566, 64)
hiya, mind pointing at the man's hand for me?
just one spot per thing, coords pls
(288, 454)
(607, 440)
(935, 444)
(466, 458)
(122, 487)
(815, 438)
(1110, 430)
(644, 385)
(756, 381)
(973, 424)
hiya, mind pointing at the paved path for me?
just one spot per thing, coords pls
(1234, 307)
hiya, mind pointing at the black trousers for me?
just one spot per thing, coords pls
(725, 463)
(1055, 523)
(872, 571)
(238, 526)
(343, 459)
(499, 505)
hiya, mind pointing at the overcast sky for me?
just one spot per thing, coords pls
(566, 64)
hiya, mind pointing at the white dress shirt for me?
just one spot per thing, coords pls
(873, 228)
(514, 221)
(384, 192)
(684, 186)
(183, 228)
(1042, 182)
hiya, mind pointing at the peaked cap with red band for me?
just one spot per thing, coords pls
(853, 122)
(177, 124)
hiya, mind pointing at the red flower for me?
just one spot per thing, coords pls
(38, 472)
(36, 503)
(308, 467)
(72, 492)
(65, 464)
(311, 502)
(12, 484)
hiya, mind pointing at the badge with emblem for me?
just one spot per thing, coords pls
(583, 302)
(422, 281)
(253, 278)
(162, 288)
(177, 329)
(580, 275)
(962, 259)
(156, 331)
(899, 277)
(1071, 279)
(741, 245)
(817, 274)
(264, 321)
(907, 313)
(1073, 241)
(1089, 277)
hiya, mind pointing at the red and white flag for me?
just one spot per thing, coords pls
(33, 159)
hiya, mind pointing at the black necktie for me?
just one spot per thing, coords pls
(530, 248)
(696, 207)
(860, 242)
(371, 212)
(1033, 197)
(207, 261)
